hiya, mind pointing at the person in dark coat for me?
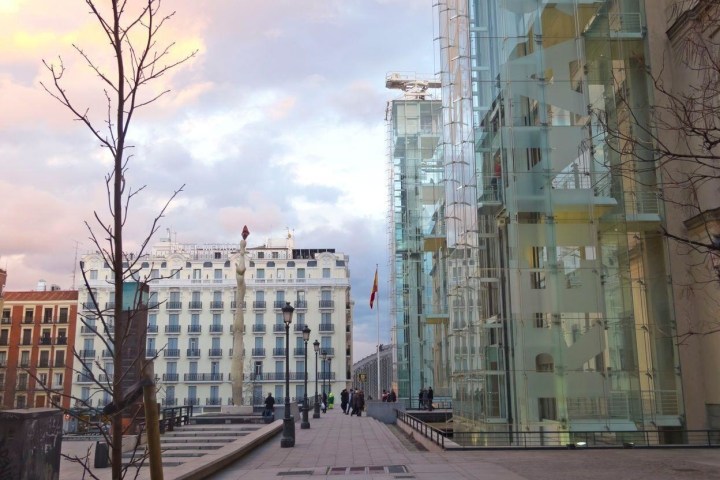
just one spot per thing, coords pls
(344, 399)
(358, 403)
(324, 402)
(391, 396)
(269, 405)
(430, 395)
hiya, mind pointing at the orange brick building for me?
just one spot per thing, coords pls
(37, 334)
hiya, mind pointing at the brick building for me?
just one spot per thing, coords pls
(37, 333)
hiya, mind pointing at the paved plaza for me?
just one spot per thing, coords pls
(340, 446)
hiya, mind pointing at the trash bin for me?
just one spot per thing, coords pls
(102, 455)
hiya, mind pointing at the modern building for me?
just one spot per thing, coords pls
(560, 310)
(684, 57)
(365, 373)
(37, 333)
(418, 307)
(190, 320)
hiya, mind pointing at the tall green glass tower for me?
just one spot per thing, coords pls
(558, 293)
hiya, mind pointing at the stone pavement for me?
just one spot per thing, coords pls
(340, 446)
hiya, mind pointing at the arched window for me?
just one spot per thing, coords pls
(544, 363)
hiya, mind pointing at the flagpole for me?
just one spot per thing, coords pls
(379, 395)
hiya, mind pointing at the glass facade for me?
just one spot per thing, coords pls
(416, 240)
(558, 294)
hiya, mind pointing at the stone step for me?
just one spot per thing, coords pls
(191, 446)
(212, 439)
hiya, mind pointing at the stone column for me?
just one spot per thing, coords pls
(236, 367)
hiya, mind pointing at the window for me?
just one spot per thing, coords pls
(279, 366)
(218, 274)
(154, 274)
(217, 296)
(300, 273)
(63, 317)
(28, 316)
(301, 295)
(171, 367)
(20, 401)
(216, 343)
(197, 274)
(260, 273)
(216, 319)
(547, 408)
(279, 342)
(195, 319)
(25, 359)
(261, 255)
(193, 367)
(259, 296)
(174, 319)
(280, 273)
(174, 297)
(259, 319)
(151, 345)
(172, 343)
(326, 273)
(57, 380)
(59, 358)
(300, 318)
(258, 368)
(544, 363)
(6, 315)
(152, 319)
(280, 296)
(258, 342)
(195, 297)
(325, 318)
(47, 315)
(93, 274)
(275, 255)
(217, 256)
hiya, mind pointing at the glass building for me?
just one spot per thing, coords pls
(558, 294)
(417, 236)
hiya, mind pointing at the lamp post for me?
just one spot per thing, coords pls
(288, 433)
(316, 407)
(323, 354)
(305, 422)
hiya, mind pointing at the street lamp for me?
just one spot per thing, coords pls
(316, 407)
(288, 434)
(323, 354)
(305, 422)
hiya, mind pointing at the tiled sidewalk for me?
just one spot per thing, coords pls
(340, 446)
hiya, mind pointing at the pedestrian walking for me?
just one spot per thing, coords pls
(430, 396)
(344, 397)
(391, 396)
(324, 402)
(358, 403)
(350, 402)
(269, 406)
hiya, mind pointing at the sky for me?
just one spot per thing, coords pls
(277, 123)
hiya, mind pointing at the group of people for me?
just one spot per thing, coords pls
(425, 398)
(389, 396)
(352, 402)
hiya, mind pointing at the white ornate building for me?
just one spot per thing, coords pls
(192, 305)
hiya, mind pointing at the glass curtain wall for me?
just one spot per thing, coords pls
(417, 239)
(557, 288)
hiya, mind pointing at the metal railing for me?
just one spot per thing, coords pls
(435, 435)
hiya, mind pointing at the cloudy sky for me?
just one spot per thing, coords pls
(277, 123)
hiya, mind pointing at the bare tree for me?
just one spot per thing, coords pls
(672, 148)
(132, 30)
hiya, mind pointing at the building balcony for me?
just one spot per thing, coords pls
(193, 352)
(61, 341)
(24, 363)
(5, 321)
(258, 352)
(26, 341)
(153, 305)
(45, 340)
(86, 353)
(169, 402)
(213, 401)
(216, 328)
(279, 352)
(195, 305)
(215, 352)
(326, 375)
(298, 327)
(326, 304)
(150, 352)
(259, 304)
(259, 328)
(196, 329)
(109, 305)
(80, 378)
(279, 328)
(233, 305)
(274, 377)
(107, 354)
(105, 377)
(299, 351)
(88, 330)
(86, 306)
(217, 305)
(4, 342)
(326, 327)
(173, 305)
(3, 363)
(329, 351)
(59, 363)
(21, 387)
(152, 329)
(172, 352)
(62, 320)
(44, 364)
(301, 305)
(172, 328)
(191, 401)
(279, 304)
(203, 377)
(170, 377)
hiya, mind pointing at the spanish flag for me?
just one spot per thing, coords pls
(374, 289)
